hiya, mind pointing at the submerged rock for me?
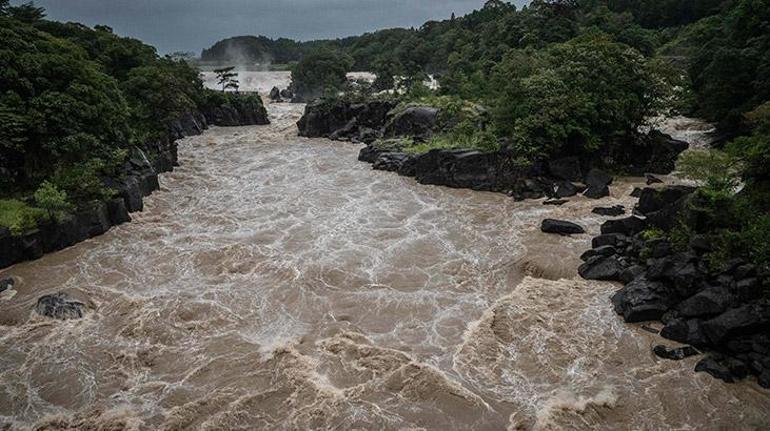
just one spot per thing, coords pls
(675, 354)
(652, 179)
(561, 227)
(6, 283)
(615, 211)
(60, 306)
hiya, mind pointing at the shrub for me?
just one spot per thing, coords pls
(54, 201)
(18, 216)
(713, 169)
(321, 73)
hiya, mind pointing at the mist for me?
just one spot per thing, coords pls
(191, 25)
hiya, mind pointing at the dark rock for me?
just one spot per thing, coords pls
(643, 300)
(652, 179)
(617, 210)
(131, 192)
(597, 192)
(598, 178)
(566, 169)
(118, 214)
(652, 200)
(392, 162)
(711, 301)
(606, 250)
(275, 94)
(565, 189)
(628, 226)
(747, 319)
(148, 183)
(615, 239)
(287, 94)
(417, 121)
(700, 244)
(94, 221)
(637, 192)
(650, 329)
(60, 306)
(675, 354)
(630, 273)
(710, 365)
(764, 379)
(685, 331)
(560, 227)
(6, 283)
(601, 268)
(658, 248)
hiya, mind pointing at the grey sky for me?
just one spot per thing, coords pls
(190, 25)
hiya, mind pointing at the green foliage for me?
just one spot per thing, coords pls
(713, 169)
(18, 216)
(54, 201)
(321, 73)
(653, 233)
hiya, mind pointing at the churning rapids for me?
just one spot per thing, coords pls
(277, 283)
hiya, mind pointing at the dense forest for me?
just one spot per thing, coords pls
(76, 103)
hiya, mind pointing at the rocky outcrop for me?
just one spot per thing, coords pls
(138, 179)
(721, 312)
(342, 120)
(60, 306)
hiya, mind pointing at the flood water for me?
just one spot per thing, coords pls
(276, 283)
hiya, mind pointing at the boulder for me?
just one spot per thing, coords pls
(615, 211)
(764, 379)
(711, 365)
(637, 192)
(566, 169)
(675, 354)
(708, 302)
(275, 94)
(393, 162)
(565, 189)
(94, 221)
(118, 214)
(597, 182)
(614, 239)
(747, 319)
(643, 300)
(131, 193)
(6, 283)
(628, 226)
(555, 202)
(560, 227)
(605, 268)
(652, 200)
(60, 306)
(417, 121)
(287, 94)
(606, 250)
(688, 331)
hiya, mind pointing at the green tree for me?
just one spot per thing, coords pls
(54, 201)
(227, 78)
(321, 73)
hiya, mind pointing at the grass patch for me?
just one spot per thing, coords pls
(18, 216)
(480, 140)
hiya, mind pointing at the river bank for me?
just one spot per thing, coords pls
(277, 282)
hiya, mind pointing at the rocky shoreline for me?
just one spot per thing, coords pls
(377, 125)
(139, 179)
(719, 309)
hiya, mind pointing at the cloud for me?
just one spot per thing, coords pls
(191, 25)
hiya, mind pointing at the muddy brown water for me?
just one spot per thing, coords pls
(276, 283)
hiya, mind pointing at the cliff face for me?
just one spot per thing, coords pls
(138, 179)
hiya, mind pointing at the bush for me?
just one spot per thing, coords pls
(18, 216)
(54, 201)
(713, 169)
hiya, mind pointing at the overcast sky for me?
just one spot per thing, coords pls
(191, 25)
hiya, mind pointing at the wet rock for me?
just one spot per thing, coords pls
(615, 211)
(597, 192)
(6, 283)
(637, 192)
(606, 250)
(555, 202)
(615, 239)
(652, 179)
(131, 193)
(685, 331)
(643, 300)
(118, 214)
(566, 169)
(393, 162)
(561, 227)
(764, 379)
(628, 226)
(565, 189)
(94, 221)
(652, 200)
(605, 268)
(711, 301)
(60, 306)
(747, 319)
(275, 94)
(632, 272)
(710, 365)
(287, 94)
(675, 354)
(598, 183)
(649, 329)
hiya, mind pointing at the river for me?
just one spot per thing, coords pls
(274, 282)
